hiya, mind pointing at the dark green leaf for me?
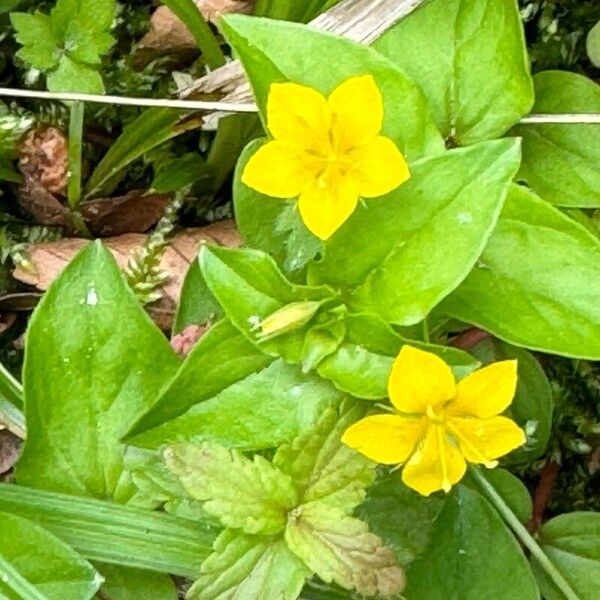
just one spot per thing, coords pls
(180, 172)
(469, 57)
(538, 281)
(560, 162)
(133, 584)
(419, 242)
(81, 367)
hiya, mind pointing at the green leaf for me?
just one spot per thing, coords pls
(470, 59)
(419, 242)
(133, 584)
(197, 306)
(471, 555)
(72, 76)
(400, 516)
(35, 565)
(341, 549)
(8, 173)
(223, 356)
(538, 281)
(250, 495)
(152, 128)
(40, 44)
(276, 51)
(249, 567)
(81, 368)
(572, 542)
(262, 410)
(250, 287)
(180, 172)
(533, 405)
(592, 44)
(560, 161)
(271, 224)
(362, 364)
(110, 533)
(324, 469)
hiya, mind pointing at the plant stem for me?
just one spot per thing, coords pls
(17, 583)
(426, 336)
(75, 145)
(190, 14)
(526, 538)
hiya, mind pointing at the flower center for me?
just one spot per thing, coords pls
(435, 414)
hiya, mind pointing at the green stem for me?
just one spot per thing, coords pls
(15, 582)
(426, 335)
(75, 147)
(189, 13)
(526, 538)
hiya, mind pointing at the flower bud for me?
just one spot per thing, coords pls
(289, 317)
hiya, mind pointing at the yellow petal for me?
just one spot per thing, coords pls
(419, 379)
(486, 392)
(326, 204)
(386, 439)
(279, 169)
(299, 114)
(356, 112)
(378, 167)
(436, 465)
(483, 440)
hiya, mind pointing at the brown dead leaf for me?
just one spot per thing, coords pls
(10, 448)
(50, 258)
(183, 342)
(168, 34)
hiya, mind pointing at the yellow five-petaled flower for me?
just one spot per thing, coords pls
(328, 152)
(440, 425)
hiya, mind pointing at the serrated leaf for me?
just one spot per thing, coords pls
(324, 469)
(72, 76)
(341, 549)
(40, 44)
(250, 495)
(249, 567)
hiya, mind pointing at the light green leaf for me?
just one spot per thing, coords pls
(592, 44)
(400, 516)
(222, 357)
(341, 549)
(262, 410)
(572, 542)
(33, 560)
(250, 287)
(276, 51)
(72, 76)
(538, 281)
(249, 567)
(324, 469)
(470, 59)
(40, 44)
(362, 364)
(419, 242)
(81, 368)
(134, 584)
(560, 162)
(486, 560)
(250, 495)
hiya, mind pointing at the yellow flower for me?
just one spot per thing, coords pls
(440, 425)
(326, 151)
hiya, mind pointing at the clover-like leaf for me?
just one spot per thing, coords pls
(250, 495)
(244, 566)
(341, 549)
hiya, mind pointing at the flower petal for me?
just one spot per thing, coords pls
(299, 114)
(436, 465)
(356, 112)
(279, 169)
(486, 392)
(386, 439)
(419, 379)
(379, 167)
(326, 204)
(481, 441)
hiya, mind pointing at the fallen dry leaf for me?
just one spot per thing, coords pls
(169, 35)
(50, 258)
(183, 342)
(10, 448)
